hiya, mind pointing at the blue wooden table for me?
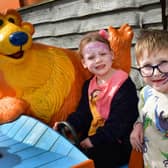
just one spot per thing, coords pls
(29, 143)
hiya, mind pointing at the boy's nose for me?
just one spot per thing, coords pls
(156, 72)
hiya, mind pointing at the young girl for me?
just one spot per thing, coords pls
(150, 133)
(108, 106)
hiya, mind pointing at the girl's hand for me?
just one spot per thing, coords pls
(136, 137)
(86, 143)
(55, 127)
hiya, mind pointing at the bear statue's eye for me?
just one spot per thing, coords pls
(1, 22)
(12, 20)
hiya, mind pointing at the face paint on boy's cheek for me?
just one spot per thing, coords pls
(94, 46)
(166, 75)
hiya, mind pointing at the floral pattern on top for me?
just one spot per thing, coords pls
(153, 107)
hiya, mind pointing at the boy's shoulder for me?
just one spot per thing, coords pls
(146, 92)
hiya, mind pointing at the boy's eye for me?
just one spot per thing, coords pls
(147, 66)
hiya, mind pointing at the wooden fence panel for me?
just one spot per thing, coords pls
(62, 23)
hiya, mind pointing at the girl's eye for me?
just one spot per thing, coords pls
(102, 54)
(91, 58)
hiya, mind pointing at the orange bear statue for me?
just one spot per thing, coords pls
(40, 80)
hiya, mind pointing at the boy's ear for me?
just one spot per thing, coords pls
(83, 63)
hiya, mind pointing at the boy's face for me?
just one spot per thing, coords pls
(158, 80)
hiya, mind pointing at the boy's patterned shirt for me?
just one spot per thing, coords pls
(153, 108)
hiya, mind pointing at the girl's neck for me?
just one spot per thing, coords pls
(101, 80)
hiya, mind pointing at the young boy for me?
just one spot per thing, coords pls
(150, 133)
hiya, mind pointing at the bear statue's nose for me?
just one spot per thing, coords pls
(18, 38)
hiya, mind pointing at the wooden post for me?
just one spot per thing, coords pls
(164, 17)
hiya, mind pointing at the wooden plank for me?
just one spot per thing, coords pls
(8, 142)
(29, 152)
(58, 163)
(67, 41)
(10, 129)
(72, 40)
(57, 11)
(23, 132)
(34, 135)
(96, 22)
(52, 21)
(48, 139)
(33, 157)
(18, 147)
(40, 160)
(74, 154)
(28, 157)
(152, 16)
(86, 24)
(68, 150)
(3, 137)
(61, 146)
(166, 7)
(35, 145)
(6, 128)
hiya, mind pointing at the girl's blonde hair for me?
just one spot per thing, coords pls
(91, 37)
(151, 40)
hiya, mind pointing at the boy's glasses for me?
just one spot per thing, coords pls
(148, 70)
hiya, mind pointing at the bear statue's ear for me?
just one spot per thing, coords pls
(13, 16)
(28, 27)
(120, 40)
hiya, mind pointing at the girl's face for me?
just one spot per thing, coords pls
(97, 57)
(158, 80)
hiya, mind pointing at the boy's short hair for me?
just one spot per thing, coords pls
(151, 40)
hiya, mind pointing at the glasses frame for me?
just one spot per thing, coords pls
(153, 69)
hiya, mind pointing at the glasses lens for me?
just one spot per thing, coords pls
(146, 71)
(163, 67)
